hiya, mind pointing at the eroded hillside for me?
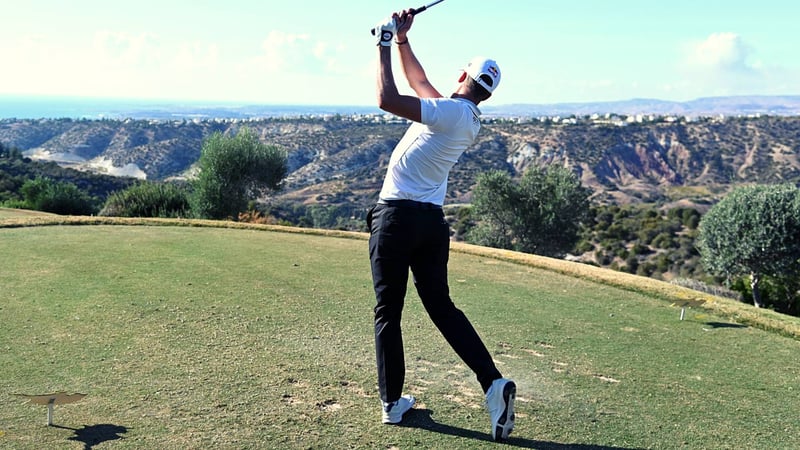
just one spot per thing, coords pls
(343, 159)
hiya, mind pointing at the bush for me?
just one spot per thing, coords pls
(691, 218)
(639, 249)
(646, 269)
(663, 263)
(148, 200)
(602, 258)
(632, 264)
(42, 194)
(664, 241)
(583, 247)
(697, 285)
(781, 294)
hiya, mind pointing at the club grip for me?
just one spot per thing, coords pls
(413, 11)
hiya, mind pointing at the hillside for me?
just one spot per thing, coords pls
(342, 159)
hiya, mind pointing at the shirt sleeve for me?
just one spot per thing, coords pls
(439, 115)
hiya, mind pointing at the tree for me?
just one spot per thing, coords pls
(234, 170)
(540, 214)
(754, 231)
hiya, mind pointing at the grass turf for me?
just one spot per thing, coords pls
(235, 338)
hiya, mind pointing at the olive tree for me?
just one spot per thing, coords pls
(234, 170)
(754, 231)
(539, 214)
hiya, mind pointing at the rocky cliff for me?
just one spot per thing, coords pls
(343, 159)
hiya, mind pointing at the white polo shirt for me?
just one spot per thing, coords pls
(422, 160)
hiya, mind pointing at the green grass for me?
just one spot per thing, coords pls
(187, 337)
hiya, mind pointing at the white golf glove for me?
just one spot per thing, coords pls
(384, 31)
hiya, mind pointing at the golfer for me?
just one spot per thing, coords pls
(407, 226)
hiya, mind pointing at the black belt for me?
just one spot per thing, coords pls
(408, 204)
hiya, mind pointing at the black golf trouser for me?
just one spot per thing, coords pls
(416, 237)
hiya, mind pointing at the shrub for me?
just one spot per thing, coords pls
(664, 241)
(639, 249)
(584, 247)
(148, 200)
(46, 195)
(708, 289)
(632, 264)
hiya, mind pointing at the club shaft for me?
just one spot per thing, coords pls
(423, 8)
(415, 11)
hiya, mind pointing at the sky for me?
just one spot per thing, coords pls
(320, 52)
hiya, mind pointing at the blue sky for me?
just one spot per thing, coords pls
(320, 51)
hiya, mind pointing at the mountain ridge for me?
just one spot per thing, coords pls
(785, 105)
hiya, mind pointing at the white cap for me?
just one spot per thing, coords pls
(483, 66)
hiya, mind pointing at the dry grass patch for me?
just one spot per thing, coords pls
(12, 213)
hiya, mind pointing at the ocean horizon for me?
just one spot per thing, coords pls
(42, 107)
(52, 107)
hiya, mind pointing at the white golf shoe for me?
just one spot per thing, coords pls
(500, 403)
(393, 412)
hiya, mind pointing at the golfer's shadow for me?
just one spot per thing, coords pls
(422, 418)
(92, 435)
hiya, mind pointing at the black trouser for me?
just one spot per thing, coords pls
(411, 235)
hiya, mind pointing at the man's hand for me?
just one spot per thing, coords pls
(404, 21)
(385, 30)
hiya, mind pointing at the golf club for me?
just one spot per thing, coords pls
(416, 11)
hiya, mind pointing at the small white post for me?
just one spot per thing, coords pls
(50, 412)
(683, 312)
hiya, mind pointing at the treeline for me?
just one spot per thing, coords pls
(67, 184)
(534, 214)
(643, 240)
(232, 170)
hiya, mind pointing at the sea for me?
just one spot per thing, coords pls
(39, 107)
(36, 107)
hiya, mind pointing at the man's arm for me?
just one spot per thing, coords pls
(411, 66)
(389, 99)
(415, 74)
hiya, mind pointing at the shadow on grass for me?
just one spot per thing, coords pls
(422, 418)
(92, 435)
(725, 325)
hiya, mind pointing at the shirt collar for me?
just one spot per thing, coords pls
(474, 107)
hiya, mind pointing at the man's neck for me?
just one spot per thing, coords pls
(465, 97)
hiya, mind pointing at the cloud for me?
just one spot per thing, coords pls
(290, 53)
(285, 52)
(722, 64)
(723, 52)
(310, 70)
(192, 56)
(283, 68)
(127, 50)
